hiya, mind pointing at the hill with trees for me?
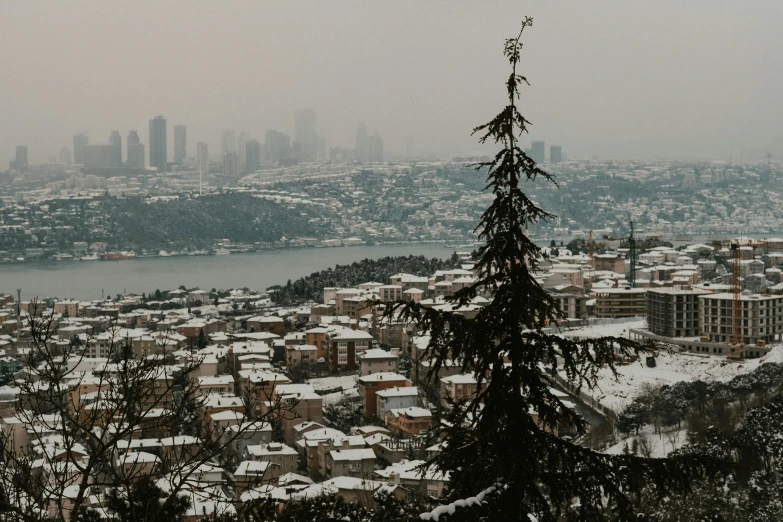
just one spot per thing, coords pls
(311, 288)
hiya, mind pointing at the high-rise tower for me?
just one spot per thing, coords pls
(115, 140)
(180, 143)
(80, 141)
(158, 147)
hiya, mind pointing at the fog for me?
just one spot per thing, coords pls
(665, 79)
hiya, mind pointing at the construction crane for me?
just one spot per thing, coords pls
(737, 350)
(632, 258)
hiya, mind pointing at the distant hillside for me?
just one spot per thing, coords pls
(241, 218)
(311, 288)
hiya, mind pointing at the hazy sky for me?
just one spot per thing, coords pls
(618, 79)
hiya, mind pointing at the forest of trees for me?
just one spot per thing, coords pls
(311, 288)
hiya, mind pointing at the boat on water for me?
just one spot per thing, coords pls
(222, 252)
(63, 257)
(118, 256)
(91, 257)
(163, 253)
(198, 253)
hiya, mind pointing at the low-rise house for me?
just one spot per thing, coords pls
(377, 360)
(409, 422)
(396, 398)
(457, 388)
(282, 455)
(272, 324)
(370, 385)
(350, 462)
(301, 354)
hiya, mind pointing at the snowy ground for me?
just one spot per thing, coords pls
(632, 379)
(331, 383)
(333, 398)
(660, 445)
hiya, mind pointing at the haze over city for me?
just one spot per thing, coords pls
(608, 79)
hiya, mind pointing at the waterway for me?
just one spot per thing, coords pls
(86, 280)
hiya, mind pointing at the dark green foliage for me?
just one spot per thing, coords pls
(201, 342)
(311, 288)
(492, 439)
(145, 501)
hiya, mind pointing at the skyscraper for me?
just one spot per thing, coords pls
(115, 140)
(22, 163)
(180, 143)
(79, 142)
(202, 155)
(158, 147)
(241, 149)
(135, 155)
(231, 164)
(100, 156)
(555, 153)
(278, 145)
(229, 141)
(305, 133)
(375, 148)
(65, 156)
(133, 137)
(252, 156)
(538, 151)
(362, 145)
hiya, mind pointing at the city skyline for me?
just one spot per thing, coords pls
(645, 99)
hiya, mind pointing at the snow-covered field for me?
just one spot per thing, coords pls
(617, 393)
(659, 445)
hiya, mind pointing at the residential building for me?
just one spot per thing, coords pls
(674, 312)
(370, 385)
(457, 388)
(301, 354)
(395, 399)
(346, 344)
(620, 302)
(762, 317)
(351, 463)
(409, 422)
(377, 360)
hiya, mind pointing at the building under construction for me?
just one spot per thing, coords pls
(760, 318)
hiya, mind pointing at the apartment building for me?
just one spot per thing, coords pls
(573, 304)
(377, 360)
(762, 317)
(674, 312)
(370, 385)
(345, 345)
(620, 302)
(301, 354)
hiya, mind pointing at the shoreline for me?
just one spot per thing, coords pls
(276, 250)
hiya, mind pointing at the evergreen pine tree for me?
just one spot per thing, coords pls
(201, 342)
(494, 447)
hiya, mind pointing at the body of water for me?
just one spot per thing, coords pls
(86, 280)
